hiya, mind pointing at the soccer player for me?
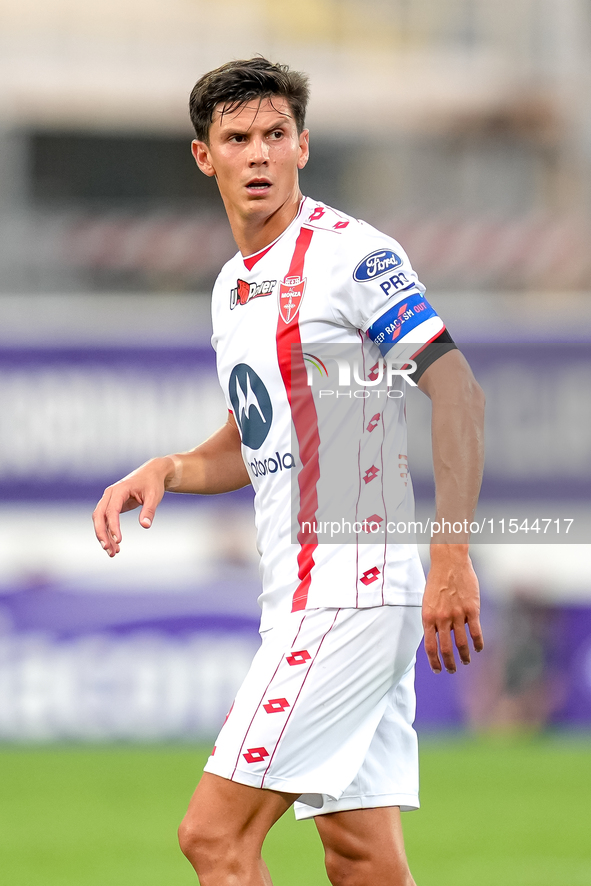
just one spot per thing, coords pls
(324, 717)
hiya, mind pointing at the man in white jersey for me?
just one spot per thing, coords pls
(324, 717)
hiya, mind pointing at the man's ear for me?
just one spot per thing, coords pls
(202, 157)
(304, 148)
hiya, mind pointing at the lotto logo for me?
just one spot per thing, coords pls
(369, 576)
(371, 474)
(276, 705)
(374, 372)
(320, 212)
(297, 658)
(374, 422)
(256, 755)
(372, 524)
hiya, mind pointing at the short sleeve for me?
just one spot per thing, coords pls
(380, 293)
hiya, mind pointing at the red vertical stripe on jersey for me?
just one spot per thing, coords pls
(305, 420)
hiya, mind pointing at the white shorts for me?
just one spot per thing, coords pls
(326, 711)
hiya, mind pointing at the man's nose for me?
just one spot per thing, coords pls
(259, 152)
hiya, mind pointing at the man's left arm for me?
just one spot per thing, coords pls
(452, 598)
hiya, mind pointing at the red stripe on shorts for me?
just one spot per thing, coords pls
(295, 701)
(282, 657)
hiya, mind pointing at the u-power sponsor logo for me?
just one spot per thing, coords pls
(245, 292)
(375, 264)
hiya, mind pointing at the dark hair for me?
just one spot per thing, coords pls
(237, 82)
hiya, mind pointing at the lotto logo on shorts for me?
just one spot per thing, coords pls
(256, 755)
(374, 422)
(371, 474)
(297, 658)
(276, 705)
(369, 576)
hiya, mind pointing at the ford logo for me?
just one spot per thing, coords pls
(375, 264)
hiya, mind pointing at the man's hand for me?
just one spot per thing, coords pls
(143, 487)
(215, 466)
(451, 602)
(451, 596)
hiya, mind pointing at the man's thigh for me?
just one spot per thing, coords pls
(365, 846)
(221, 810)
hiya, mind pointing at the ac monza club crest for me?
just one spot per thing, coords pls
(291, 293)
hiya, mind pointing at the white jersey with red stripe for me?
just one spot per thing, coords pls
(327, 280)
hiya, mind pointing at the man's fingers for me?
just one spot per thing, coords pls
(476, 632)
(446, 648)
(431, 648)
(119, 502)
(461, 639)
(439, 643)
(113, 525)
(101, 529)
(148, 510)
(144, 487)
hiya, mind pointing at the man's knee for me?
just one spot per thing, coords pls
(205, 843)
(340, 870)
(195, 839)
(225, 826)
(364, 847)
(346, 870)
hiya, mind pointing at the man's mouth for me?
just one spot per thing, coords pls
(259, 184)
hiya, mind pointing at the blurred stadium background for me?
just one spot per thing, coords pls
(462, 128)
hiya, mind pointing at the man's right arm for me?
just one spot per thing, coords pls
(212, 467)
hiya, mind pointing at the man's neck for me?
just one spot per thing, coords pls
(255, 232)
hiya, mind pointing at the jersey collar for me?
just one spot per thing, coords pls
(251, 260)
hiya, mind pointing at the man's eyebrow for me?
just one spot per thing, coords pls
(233, 128)
(280, 123)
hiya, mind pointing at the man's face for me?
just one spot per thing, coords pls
(255, 153)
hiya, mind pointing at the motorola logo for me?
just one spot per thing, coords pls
(251, 404)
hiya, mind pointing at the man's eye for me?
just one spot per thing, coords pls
(277, 134)
(237, 138)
